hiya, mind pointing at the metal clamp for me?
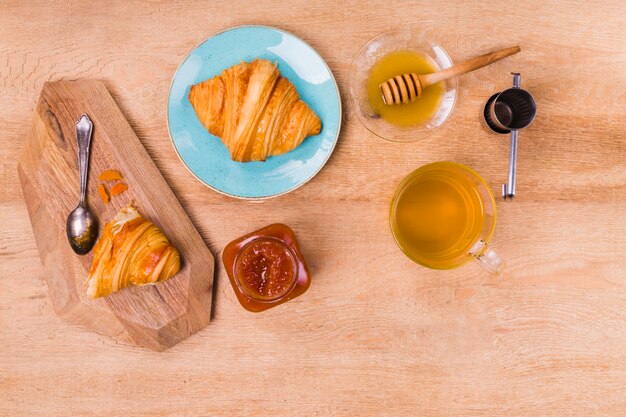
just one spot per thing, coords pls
(508, 189)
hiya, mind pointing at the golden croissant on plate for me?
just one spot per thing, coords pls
(254, 111)
(131, 251)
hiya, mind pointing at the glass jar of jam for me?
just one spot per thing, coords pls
(266, 267)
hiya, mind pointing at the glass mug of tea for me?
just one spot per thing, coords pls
(443, 215)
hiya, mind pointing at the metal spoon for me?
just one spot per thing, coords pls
(82, 227)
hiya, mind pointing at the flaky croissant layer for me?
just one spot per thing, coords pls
(131, 251)
(254, 111)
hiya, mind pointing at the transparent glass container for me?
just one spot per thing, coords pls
(282, 242)
(468, 182)
(359, 72)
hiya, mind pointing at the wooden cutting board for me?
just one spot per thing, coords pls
(154, 317)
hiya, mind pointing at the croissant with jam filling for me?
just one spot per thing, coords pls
(131, 251)
(254, 111)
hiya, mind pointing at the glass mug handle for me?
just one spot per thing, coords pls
(487, 257)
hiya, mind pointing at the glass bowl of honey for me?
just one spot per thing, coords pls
(396, 53)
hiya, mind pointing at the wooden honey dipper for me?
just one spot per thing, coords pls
(407, 87)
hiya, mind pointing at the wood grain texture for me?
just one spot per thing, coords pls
(375, 335)
(156, 317)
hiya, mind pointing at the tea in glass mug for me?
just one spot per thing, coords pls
(443, 215)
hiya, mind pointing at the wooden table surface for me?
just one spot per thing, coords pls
(375, 335)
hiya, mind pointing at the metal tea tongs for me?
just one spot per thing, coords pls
(508, 112)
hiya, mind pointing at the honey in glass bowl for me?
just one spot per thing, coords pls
(388, 55)
(266, 268)
(398, 62)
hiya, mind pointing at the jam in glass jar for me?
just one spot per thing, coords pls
(266, 267)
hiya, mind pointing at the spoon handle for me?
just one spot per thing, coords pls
(467, 66)
(84, 128)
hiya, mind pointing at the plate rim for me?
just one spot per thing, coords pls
(266, 197)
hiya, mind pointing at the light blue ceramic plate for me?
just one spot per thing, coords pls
(205, 155)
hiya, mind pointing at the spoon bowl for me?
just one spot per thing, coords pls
(82, 229)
